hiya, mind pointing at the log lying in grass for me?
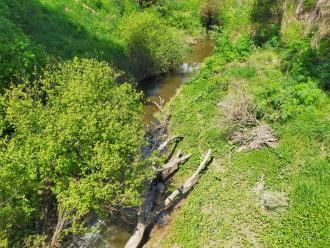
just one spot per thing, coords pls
(189, 183)
(170, 167)
(168, 141)
(152, 206)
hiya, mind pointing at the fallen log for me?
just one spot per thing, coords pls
(153, 205)
(152, 202)
(146, 215)
(170, 167)
(168, 141)
(159, 105)
(189, 183)
(137, 237)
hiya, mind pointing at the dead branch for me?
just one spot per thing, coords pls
(255, 138)
(190, 182)
(159, 105)
(173, 165)
(88, 8)
(168, 141)
(61, 223)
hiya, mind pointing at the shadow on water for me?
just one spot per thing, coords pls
(166, 85)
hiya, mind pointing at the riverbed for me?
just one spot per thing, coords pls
(164, 86)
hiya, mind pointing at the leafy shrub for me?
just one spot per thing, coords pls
(304, 62)
(279, 101)
(233, 50)
(153, 47)
(71, 141)
(309, 4)
(17, 52)
(181, 14)
(266, 16)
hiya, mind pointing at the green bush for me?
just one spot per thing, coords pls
(303, 61)
(229, 50)
(18, 54)
(280, 101)
(69, 143)
(153, 47)
(266, 17)
(182, 14)
(309, 4)
(210, 13)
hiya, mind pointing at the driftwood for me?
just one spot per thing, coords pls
(159, 105)
(189, 183)
(153, 205)
(168, 141)
(170, 167)
(146, 215)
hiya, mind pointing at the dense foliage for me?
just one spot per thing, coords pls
(71, 131)
(263, 56)
(33, 32)
(153, 47)
(69, 142)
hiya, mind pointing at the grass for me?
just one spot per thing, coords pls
(223, 210)
(66, 29)
(39, 32)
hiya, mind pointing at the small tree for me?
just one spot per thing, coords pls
(69, 143)
(153, 47)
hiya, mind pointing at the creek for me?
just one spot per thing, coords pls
(112, 235)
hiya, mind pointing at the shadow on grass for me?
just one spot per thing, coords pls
(60, 37)
(266, 15)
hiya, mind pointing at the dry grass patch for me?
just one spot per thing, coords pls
(255, 138)
(240, 118)
(238, 108)
(270, 200)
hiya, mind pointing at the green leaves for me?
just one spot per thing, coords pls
(153, 47)
(75, 133)
(281, 101)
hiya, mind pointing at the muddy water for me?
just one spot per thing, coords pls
(164, 86)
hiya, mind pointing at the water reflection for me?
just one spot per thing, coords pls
(166, 85)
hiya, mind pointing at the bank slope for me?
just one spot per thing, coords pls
(268, 197)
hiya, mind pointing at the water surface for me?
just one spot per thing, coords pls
(164, 86)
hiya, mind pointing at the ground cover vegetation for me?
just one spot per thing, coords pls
(71, 128)
(261, 103)
(70, 122)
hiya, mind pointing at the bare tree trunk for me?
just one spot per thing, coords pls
(167, 142)
(61, 223)
(153, 204)
(189, 183)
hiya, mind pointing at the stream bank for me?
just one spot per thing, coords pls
(113, 234)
